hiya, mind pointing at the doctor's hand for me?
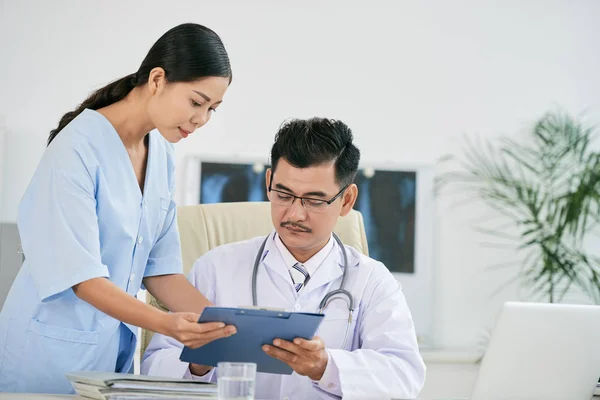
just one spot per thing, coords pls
(200, 370)
(306, 357)
(184, 327)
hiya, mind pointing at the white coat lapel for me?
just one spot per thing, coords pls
(274, 262)
(331, 269)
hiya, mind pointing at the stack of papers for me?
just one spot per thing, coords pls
(114, 386)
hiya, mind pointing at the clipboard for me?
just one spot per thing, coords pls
(255, 327)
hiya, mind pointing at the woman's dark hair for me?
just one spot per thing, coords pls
(316, 141)
(186, 52)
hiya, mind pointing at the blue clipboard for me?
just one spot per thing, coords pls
(255, 328)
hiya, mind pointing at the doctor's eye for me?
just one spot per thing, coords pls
(315, 203)
(283, 196)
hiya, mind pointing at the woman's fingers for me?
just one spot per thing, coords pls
(207, 337)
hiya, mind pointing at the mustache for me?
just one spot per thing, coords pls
(296, 225)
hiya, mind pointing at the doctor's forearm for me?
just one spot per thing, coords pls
(110, 299)
(176, 293)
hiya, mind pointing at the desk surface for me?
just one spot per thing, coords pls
(25, 396)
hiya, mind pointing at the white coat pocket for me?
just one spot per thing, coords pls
(336, 326)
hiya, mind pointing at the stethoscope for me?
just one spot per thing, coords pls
(329, 297)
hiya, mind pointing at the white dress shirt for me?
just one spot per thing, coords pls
(310, 265)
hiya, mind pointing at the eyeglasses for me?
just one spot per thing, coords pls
(286, 199)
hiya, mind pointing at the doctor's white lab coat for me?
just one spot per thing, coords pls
(381, 359)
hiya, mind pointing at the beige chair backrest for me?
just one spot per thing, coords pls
(206, 226)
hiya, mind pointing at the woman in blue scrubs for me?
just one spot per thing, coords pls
(97, 222)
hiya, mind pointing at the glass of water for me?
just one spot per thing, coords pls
(235, 381)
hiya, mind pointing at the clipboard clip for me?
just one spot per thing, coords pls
(256, 311)
(283, 310)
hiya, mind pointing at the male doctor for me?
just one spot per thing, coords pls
(310, 185)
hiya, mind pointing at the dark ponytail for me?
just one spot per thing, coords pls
(186, 52)
(103, 97)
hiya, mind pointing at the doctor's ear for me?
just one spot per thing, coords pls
(268, 179)
(157, 80)
(348, 199)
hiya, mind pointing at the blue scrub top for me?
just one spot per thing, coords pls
(84, 216)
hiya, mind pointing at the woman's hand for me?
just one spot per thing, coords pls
(184, 327)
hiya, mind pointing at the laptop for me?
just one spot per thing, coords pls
(541, 351)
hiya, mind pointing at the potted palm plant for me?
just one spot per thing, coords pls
(548, 185)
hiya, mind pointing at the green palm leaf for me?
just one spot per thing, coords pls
(548, 185)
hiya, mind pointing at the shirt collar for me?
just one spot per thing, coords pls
(312, 264)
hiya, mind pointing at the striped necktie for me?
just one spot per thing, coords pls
(299, 276)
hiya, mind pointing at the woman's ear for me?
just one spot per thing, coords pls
(157, 80)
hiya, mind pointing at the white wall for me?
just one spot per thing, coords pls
(2, 162)
(408, 77)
